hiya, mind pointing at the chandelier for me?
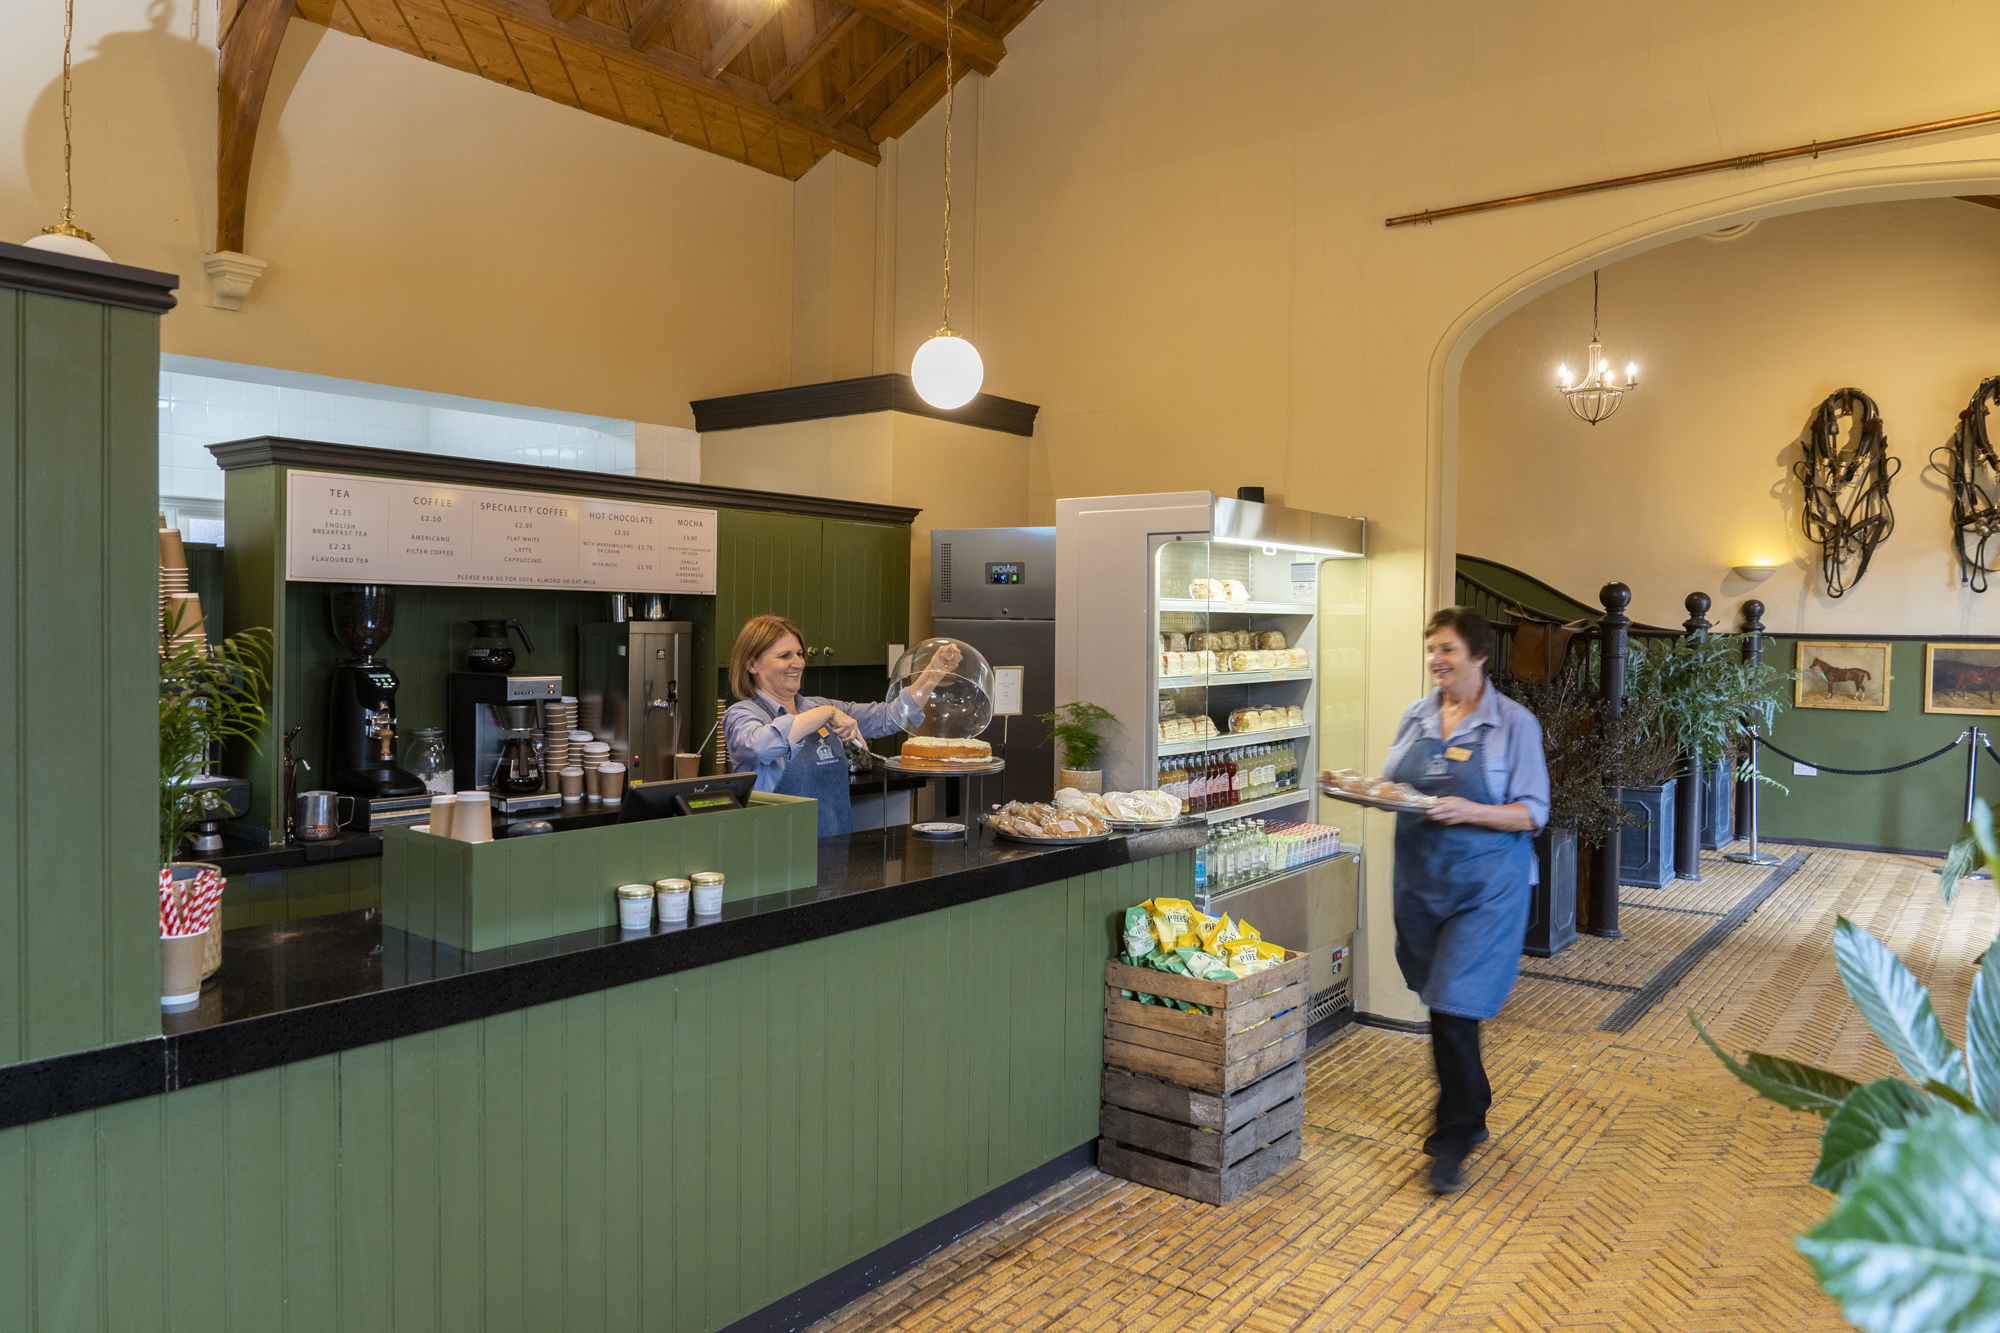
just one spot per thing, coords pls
(1597, 395)
(947, 370)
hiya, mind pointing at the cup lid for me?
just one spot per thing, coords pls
(611, 768)
(672, 885)
(709, 877)
(635, 890)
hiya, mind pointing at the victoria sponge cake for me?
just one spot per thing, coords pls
(938, 752)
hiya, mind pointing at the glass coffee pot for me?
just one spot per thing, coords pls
(519, 770)
(490, 649)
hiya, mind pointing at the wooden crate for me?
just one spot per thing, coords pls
(1205, 1106)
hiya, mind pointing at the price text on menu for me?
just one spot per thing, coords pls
(343, 529)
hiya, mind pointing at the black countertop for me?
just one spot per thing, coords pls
(301, 989)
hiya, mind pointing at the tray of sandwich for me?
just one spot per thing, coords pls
(1126, 811)
(1045, 825)
(1345, 784)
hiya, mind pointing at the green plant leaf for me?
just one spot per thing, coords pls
(1960, 860)
(1786, 1082)
(1897, 1006)
(1982, 831)
(1982, 1043)
(1884, 1105)
(1915, 1245)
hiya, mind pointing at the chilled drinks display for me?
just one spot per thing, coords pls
(1207, 782)
(1245, 849)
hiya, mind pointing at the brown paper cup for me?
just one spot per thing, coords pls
(687, 766)
(173, 555)
(180, 970)
(442, 810)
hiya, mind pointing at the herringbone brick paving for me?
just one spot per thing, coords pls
(1630, 1183)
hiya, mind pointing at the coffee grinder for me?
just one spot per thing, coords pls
(361, 703)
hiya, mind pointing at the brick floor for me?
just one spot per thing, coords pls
(1630, 1183)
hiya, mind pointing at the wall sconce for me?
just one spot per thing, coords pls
(1753, 573)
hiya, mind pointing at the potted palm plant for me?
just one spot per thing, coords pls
(1075, 728)
(209, 693)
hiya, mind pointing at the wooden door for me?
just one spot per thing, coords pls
(765, 564)
(865, 591)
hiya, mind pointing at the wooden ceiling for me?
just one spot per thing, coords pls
(777, 84)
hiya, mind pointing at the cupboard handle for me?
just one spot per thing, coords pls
(812, 652)
(826, 652)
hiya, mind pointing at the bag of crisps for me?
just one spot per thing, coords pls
(1139, 937)
(1241, 957)
(1204, 965)
(1173, 919)
(1216, 932)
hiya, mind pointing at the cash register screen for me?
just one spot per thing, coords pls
(685, 796)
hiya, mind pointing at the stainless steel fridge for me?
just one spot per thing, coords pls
(995, 588)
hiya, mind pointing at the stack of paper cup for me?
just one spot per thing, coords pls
(173, 570)
(590, 714)
(472, 817)
(558, 722)
(182, 621)
(596, 754)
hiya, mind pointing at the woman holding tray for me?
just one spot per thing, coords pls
(796, 742)
(1464, 867)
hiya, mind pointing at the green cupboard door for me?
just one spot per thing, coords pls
(866, 598)
(765, 564)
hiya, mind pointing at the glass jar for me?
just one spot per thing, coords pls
(427, 760)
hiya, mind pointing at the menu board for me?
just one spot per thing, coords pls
(346, 529)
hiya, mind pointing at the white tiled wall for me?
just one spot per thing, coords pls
(197, 410)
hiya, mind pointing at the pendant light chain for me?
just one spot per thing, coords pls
(1593, 305)
(948, 98)
(69, 23)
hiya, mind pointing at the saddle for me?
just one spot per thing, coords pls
(1540, 646)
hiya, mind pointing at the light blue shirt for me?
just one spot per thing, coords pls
(757, 741)
(1513, 758)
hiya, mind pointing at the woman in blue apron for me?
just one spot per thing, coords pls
(1464, 869)
(796, 742)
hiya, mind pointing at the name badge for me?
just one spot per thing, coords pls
(1458, 752)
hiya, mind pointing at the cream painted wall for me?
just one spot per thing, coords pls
(958, 476)
(425, 228)
(1738, 341)
(1181, 254)
(833, 271)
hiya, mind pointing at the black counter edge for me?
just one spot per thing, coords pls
(46, 273)
(282, 451)
(846, 398)
(86, 1080)
(815, 1301)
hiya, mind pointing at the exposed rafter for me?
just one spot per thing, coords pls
(249, 50)
(565, 10)
(823, 41)
(743, 28)
(865, 83)
(974, 40)
(915, 100)
(651, 25)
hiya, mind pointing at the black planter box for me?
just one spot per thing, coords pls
(1718, 805)
(1552, 902)
(1647, 848)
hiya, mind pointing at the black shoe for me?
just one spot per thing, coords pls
(1448, 1171)
(1431, 1143)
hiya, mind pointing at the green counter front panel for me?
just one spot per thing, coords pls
(79, 675)
(668, 1156)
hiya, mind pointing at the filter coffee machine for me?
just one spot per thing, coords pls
(361, 703)
(491, 725)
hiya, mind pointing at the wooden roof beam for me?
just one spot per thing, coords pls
(973, 40)
(562, 11)
(614, 44)
(742, 29)
(651, 25)
(248, 54)
(914, 101)
(823, 41)
(865, 84)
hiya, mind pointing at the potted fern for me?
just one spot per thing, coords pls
(1076, 730)
(209, 693)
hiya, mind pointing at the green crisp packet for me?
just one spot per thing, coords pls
(1139, 939)
(1206, 966)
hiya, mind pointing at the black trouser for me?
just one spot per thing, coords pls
(1463, 1092)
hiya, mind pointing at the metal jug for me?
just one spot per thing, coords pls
(319, 814)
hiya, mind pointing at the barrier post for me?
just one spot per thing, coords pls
(1687, 795)
(1602, 902)
(1746, 790)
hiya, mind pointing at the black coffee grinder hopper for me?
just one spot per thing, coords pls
(361, 702)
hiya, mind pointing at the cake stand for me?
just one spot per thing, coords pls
(895, 764)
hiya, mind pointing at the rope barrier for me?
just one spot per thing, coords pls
(1871, 772)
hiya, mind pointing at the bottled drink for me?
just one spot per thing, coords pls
(1201, 869)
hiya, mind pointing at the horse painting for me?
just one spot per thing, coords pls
(1962, 679)
(1842, 675)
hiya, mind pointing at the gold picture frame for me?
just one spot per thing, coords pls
(1842, 675)
(1962, 678)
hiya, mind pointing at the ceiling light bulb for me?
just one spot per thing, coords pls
(947, 370)
(1562, 373)
(1631, 372)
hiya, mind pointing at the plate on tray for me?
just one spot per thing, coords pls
(1004, 835)
(938, 830)
(1375, 802)
(1146, 826)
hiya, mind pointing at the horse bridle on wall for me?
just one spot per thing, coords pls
(1975, 517)
(1847, 532)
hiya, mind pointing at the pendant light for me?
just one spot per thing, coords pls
(65, 237)
(946, 369)
(1597, 395)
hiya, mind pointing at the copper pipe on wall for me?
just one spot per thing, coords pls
(1813, 149)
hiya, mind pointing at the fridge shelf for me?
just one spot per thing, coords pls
(1248, 808)
(1239, 608)
(1215, 678)
(1234, 740)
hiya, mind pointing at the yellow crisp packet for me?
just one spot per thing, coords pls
(1217, 933)
(1241, 957)
(1172, 918)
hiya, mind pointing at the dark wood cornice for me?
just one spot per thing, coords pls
(846, 398)
(272, 450)
(46, 273)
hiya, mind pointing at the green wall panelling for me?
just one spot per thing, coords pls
(865, 603)
(314, 889)
(1921, 808)
(668, 1156)
(79, 421)
(479, 896)
(765, 564)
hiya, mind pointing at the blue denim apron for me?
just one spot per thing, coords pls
(818, 768)
(1461, 892)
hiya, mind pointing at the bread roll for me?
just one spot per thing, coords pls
(1271, 638)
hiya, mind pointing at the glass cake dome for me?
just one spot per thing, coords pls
(961, 703)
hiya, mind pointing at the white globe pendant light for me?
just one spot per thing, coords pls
(946, 369)
(65, 237)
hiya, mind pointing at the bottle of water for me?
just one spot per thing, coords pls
(1201, 867)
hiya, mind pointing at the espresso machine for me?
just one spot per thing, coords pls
(635, 687)
(493, 726)
(361, 703)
